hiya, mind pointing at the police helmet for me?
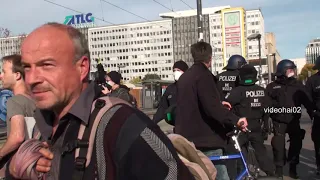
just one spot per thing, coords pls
(317, 64)
(235, 62)
(283, 66)
(247, 75)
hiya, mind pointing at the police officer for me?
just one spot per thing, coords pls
(249, 100)
(287, 95)
(225, 82)
(228, 79)
(313, 87)
(170, 96)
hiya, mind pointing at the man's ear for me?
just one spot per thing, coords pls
(18, 76)
(83, 66)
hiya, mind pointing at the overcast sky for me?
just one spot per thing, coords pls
(294, 22)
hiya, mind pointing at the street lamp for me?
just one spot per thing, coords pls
(258, 37)
(269, 66)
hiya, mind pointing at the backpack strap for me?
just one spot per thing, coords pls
(86, 136)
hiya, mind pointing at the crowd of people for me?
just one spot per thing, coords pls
(61, 125)
(202, 119)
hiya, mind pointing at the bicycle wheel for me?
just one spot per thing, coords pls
(251, 159)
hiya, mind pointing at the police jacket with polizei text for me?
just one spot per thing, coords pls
(249, 101)
(227, 80)
(287, 96)
(168, 98)
(313, 88)
(200, 116)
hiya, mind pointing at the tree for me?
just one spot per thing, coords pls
(4, 32)
(135, 80)
(304, 74)
(151, 76)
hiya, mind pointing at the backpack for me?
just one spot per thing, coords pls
(198, 163)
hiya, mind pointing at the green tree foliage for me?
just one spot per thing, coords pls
(135, 80)
(151, 76)
(304, 72)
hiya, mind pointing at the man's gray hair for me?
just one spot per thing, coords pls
(79, 41)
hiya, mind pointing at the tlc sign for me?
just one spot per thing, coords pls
(79, 19)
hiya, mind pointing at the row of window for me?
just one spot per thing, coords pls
(128, 64)
(130, 49)
(253, 15)
(123, 29)
(255, 23)
(216, 20)
(314, 45)
(125, 36)
(135, 70)
(130, 43)
(132, 56)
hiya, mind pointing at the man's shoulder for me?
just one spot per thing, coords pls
(21, 98)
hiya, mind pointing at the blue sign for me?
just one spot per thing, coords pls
(4, 96)
(79, 19)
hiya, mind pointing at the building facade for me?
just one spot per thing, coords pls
(10, 45)
(185, 33)
(84, 32)
(271, 51)
(134, 49)
(313, 51)
(252, 22)
(299, 62)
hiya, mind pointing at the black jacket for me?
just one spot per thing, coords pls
(287, 94)
(250, 101)
(313, 88)
(227, 80)
(168, 98)
(200, 117)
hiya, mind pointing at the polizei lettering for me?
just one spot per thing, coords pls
(227, 78)
(254, 94)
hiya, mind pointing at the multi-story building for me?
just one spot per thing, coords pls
(255, 25)
(185, 33)
(249, 22)
(133, 49)
(271, 50)
(313, 51)
(10, 45)
(84, 32)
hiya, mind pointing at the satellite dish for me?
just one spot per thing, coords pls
(4, 96)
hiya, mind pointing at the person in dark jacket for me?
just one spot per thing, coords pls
(227, 80)
(169, 97)
(113, 79)
(249, 100)
(286, 96)
(200, 115)
(313, 88)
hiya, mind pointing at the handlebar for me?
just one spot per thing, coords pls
(246, 129)
(238, 130)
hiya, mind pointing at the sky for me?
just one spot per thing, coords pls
(294, 22)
